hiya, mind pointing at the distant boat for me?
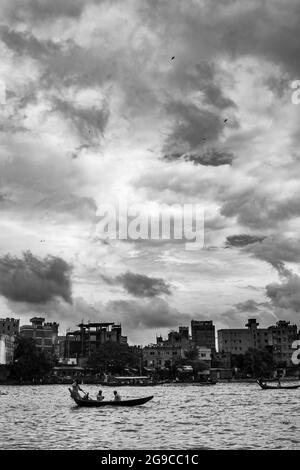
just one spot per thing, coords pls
(136, 381)
(264, 386)
(97, 403)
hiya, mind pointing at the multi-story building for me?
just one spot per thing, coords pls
(166, 351)
(239, 340)
(162, 355)
(281, 337)
(44, 334)
(176, 338)
(221, 360)
(7, 347)
(87, 340)
(205, 356)
(203, 334)
(9, 326)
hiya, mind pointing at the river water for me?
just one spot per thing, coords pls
(224, 416)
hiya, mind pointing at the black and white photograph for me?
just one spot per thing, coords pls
(149, 228)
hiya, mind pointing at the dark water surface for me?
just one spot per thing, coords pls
(224, 416)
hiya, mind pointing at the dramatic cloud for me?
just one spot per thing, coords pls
(243, 240)
(209, 158)
(140, 285)
(285, 295)
(34, 280)
(248, 306)
(137, 317)
(152, 313)
(276, 250)
(95, 110)
(238, 315)
(193, 126)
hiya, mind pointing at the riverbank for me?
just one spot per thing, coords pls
(101, 384)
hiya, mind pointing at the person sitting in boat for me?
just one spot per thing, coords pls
(116, 396)
(76, 388)
(279, 382)
(100, 397)
(86, 396)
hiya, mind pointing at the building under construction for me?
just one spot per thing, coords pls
(84, 342)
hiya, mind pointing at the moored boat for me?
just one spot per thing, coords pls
(135, 381)
(97, 403)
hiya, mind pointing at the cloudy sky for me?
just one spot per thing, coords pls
(151, 102)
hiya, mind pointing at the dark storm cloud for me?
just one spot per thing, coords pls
(276, 251)
(140, 285)
(149, 313)
(260, 28)
(267, 29)
(209, 158)
(34, 280)
(257, 209)
(192, 126)
(202, 78)
(243, 240)
(286, 293)
(134, 315)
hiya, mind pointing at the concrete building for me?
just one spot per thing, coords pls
(166, 351)
(203, 334)
(205, 356)
(87, 340)
(221, 360)
(7, 347)
(176, 338)
(9, 326)
(44, 334)
(159, 356)
(281, 337)
(239, 340)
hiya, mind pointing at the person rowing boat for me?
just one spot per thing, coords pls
(76, 388)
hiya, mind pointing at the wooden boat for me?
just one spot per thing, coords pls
(264, 386)
(134, 381)
(97, 403)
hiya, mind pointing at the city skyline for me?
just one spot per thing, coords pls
(158, 335)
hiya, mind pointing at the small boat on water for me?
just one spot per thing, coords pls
(97, 403)
(264, 386)
(135, 381)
